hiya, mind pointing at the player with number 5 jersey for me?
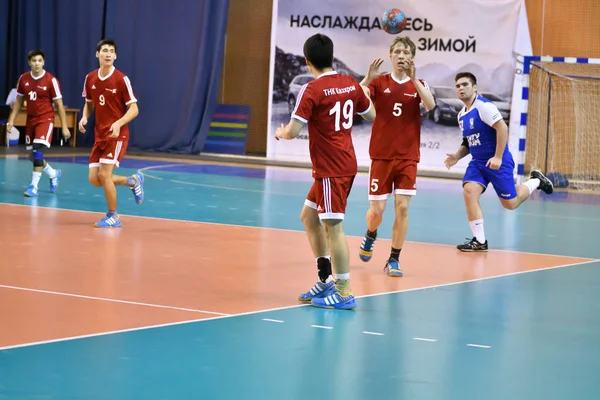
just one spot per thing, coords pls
(327, 105)
(109, 92)
(395, 145)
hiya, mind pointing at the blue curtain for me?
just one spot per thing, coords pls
(172, 51)
(66, 30)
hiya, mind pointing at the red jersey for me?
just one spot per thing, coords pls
(110, 95)
(39, 93)
(396, 132)
(328, 105)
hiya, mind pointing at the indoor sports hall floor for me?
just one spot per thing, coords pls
(195, 296)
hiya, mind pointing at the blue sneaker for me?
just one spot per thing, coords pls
(366, 248)
(31, 191)
(54, 181)
(334, 300)
(392, 268)
(138, 188)
(110, 221)
(320, 289)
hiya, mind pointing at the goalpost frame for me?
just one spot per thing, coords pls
(527, 60)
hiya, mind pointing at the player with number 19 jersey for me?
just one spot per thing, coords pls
(328, 104)
(395, 137)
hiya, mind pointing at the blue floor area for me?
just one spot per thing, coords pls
(521, 337)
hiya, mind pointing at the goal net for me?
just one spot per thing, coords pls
(563, 122)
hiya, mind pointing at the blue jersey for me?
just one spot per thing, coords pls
(476, 125)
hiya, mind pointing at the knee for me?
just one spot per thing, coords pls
(470, 193)
(309, 216)
(37, 155)
(510, 204)
(376, 210)
(402, 210)
(104, 177)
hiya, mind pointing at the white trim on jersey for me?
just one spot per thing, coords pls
(18, 83)
(56, 89)
(84, 93)
(39, 77)
(107, 76)
(368, 109)
(129, 90)
(400, 81)
(300, 94)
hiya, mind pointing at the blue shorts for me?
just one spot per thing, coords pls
(502, 180)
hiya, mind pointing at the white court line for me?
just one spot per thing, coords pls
(111, 300)
(279, 230)
(425, 339)
(321, 327)
(373, 333)
(273, 320)
(479, 345)
(271, 309)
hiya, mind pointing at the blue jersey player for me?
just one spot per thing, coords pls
(485, 137)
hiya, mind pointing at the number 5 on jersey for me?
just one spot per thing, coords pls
(397, 110)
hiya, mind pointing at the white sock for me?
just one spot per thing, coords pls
(343, 276)
(532, 184)
(51, 172)
(35, 179)
(477, 229)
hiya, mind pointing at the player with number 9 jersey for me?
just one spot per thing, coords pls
(110, 96)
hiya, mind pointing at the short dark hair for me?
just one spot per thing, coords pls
(108, 42)
(467, 75)
(35, 52)
(318, 49)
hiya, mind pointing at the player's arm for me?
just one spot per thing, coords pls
(491, 116)
(461, 153)
(88, 108)
(13, 113)
(60, 108)
(364, 103)
(289, 131)
(424, 94)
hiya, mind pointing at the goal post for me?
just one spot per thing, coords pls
(560, 121)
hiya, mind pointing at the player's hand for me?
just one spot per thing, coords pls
(410, 68)
(115, 129)
(66, 133)
(494, 163)
(9, 126)
(450, 160)
(279, 132)
(82, 124)
(374, 69)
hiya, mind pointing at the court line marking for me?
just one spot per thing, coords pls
(91, 335)
(321, 327)
(425, 339)
(373, 333)
(273, 320)
(479, 345)
(136, 303)
(278, 229)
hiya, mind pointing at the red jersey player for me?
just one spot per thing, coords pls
(110, 93)
(395, 145)
(327, 105)
(40, 89)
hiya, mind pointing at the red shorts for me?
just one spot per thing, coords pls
(39, 133)
(108, 152)
(329, 196)
(392, 176)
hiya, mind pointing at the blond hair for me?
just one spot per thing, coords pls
(407, 42)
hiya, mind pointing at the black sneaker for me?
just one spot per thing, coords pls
(545, 184)
(473, 245)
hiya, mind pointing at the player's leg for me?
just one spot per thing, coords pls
(318, 243)
(114, 155)
(520, 193)
(380, 189)
(332, 200)
(474, 184)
